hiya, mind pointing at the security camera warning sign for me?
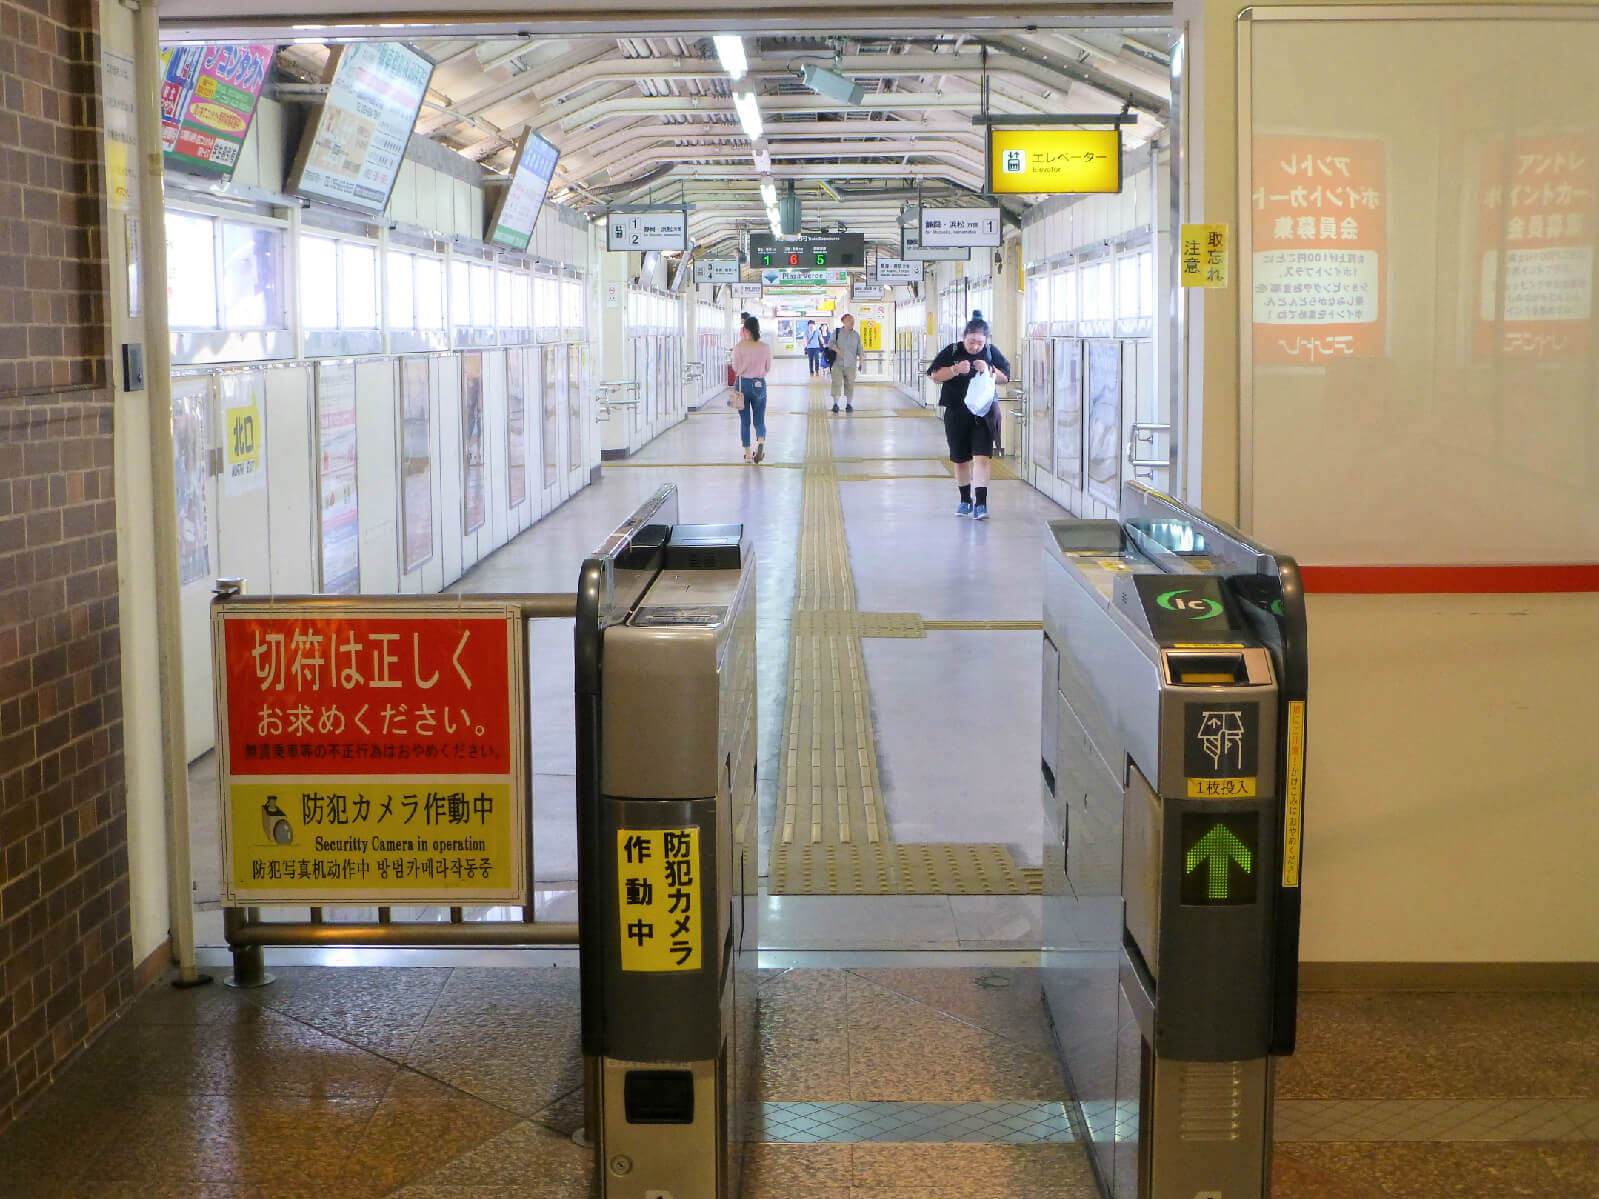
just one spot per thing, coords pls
(373, 752)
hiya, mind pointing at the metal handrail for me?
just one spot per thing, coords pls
(1135, 438)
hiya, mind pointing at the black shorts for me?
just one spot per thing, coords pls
(968, 435)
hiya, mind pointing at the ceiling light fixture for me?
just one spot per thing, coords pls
(730, 49)
(749, 114)
(769, 193)
(763, 159)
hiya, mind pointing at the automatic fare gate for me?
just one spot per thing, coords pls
(1173, 755)
(665, 687)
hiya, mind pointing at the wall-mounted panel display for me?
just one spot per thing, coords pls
(664, 230)
(550, 392)
(516, 425)
(1040, 402)
(191, 442)
(1320, 240)
(576, 361)
(416, 459)
(1103, 379)
(1069, 411)
(353, 147)
(340, 526)
(208, 98)
(474, 481)
(518, 209)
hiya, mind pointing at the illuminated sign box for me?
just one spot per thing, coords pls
(1054, 161)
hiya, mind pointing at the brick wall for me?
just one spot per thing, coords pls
(65, 945)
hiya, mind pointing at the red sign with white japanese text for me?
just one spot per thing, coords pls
(1320, 237)
(336, 695)
(1536, 216)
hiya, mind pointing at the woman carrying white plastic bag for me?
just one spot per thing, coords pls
(969, 370)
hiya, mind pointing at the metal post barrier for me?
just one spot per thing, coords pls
(374, 750)
(665, 680)
(1173, 762)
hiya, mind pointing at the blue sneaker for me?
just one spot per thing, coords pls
(965, 509)
(980, 512)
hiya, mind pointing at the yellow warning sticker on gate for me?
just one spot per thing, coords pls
(1294, 793)
(1222, 788)
(658, 899)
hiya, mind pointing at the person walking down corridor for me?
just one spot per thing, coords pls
(970, 436)
(847, 345)
(752, 361)
(813, 346)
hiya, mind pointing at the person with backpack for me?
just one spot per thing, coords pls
(968, 431)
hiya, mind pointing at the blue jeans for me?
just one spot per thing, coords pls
(814, 353)
(754, 406)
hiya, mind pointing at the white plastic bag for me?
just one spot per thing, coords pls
(980, 393)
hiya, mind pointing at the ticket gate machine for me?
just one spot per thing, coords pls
(1173, 764)
(665, 655)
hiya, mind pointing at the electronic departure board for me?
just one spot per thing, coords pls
(809, 253)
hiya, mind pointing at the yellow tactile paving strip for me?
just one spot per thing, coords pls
(831, 835)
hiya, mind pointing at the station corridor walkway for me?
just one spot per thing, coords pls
(905, 1052)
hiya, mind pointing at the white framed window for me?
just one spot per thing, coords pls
(319, 282)
(428, 276)
(358, 286)
(191, 271)
(402, 291)
(481, 292)
(251, 271)
(521, 300)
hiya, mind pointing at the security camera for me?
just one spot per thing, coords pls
(274, 823)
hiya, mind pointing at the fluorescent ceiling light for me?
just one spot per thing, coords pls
(730, 49)
(769, 193)
(749, 114)
(831, 84)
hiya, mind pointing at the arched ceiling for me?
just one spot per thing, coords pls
(651, 119)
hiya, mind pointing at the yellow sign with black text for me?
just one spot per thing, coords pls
(1054, 161)
(1294, 797)
(1204, 255)
(658, 898)
(1222, 788)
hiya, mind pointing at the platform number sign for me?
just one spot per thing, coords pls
(666, 230)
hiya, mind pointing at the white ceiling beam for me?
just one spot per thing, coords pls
(914, 102)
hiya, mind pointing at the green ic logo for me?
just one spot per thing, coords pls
(1194, 609)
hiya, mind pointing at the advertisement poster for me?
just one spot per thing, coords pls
(371, 751)
(191, 441)
(550, 400)
(574, 405)
(524, 195)
(1040, 402)
(336, 457)
(243, 434)
(364, 125)
(516, 425)
(208, 98)
(1536, 212)
(120, 105)
(416, 459)
(1104, 384)
(1069, 411)
(874, 322)
(474, 478)
(1320, 241)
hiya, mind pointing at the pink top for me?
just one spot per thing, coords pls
(751, 359)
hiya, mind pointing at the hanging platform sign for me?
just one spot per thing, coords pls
(664, 230)
(961, 227)
(371, 751)
(1054, 161)
(911, 248)
(898, 270)
(716, 270)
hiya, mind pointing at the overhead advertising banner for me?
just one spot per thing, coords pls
(372, 751)
(664, 230)
(1537, 205)
(911, 248)
(1054, 161)
(716, 270)
(524, 196)
(353, 149)
(208, 98)
(1320, 237)
(961, 227)
(784, 278)
(898, 270)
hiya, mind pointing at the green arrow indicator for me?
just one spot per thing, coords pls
(1214, 849)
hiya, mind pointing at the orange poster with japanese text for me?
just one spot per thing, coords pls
(1536, 212)
(1320, 248)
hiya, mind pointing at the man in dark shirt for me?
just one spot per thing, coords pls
(970, 437)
